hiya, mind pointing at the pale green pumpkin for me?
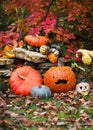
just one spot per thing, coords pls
(41, 91)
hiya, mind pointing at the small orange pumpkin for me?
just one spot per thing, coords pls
(36, 41)
(23, 79)
(60, 79)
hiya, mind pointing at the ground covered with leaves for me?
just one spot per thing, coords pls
(64, 111)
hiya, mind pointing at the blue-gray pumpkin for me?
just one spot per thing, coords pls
(41, 91)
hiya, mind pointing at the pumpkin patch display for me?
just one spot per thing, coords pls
(23, 79)
(60, 79)
(36, 41)
(41, 91)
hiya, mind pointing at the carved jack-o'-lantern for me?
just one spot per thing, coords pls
(60, 79)
(83, 88)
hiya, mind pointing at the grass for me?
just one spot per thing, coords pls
(60, 112)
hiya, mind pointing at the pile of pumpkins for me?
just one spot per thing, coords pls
(26, 80)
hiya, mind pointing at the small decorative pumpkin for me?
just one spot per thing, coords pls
(23, 79)
(44, 49)
(41, 91)
(36, 41)
(83, 88)
(60, 79)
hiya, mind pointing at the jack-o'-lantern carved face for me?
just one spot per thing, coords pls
(60, 79)
(83, 88)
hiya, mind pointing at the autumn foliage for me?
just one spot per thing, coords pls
(65, 22)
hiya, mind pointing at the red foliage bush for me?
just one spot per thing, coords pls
(63, 21)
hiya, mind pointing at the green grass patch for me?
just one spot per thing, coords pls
(61, 115)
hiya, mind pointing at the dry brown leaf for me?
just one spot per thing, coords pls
(2, 106)
(41, 128)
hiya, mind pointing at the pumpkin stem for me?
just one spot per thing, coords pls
(22, 77)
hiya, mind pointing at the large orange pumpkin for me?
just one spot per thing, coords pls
(23, 79)
(36, 41)
(60, 79)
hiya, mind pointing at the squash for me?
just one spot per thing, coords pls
(53, 55)
(60, 79)
(36, 41)
(41, 91)
(8, 52)
(44, 49)
(52, 58)
(23, 79)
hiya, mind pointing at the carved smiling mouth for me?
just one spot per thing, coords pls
(61, 81)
